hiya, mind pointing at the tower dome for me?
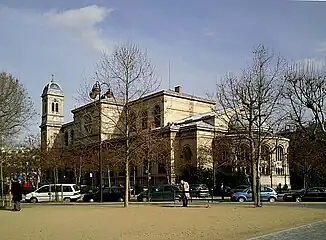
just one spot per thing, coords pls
(240, 122)
(52, 88)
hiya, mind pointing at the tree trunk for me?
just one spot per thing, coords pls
(126, 203)
(253, 170)
(168, 178)
(109, 177)
(80, 172)
(258, 185)
(76, 175)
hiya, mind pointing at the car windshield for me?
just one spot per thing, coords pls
(248, 189)
(76, 187)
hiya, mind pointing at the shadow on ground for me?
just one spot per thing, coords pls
(189, 206)
(6, 209)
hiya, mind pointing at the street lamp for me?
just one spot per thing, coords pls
(96, 92)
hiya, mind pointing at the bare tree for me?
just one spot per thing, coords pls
(250, 105)
(215, 154)
(305, 98)
(128, 73)
(16, 108)
(307, 157)
(154, 148)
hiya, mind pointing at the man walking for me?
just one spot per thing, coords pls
(222, 191)
(185, 193)
(16, 190)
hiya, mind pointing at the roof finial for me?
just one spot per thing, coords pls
(52, 79)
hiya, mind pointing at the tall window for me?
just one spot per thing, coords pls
(45, 107)
(57, 107)
(88, 123)
(279, 154)
(66, 139)
(132, 121)
(187, 155)
(161, 168)
(144, 119)
(157, 116)
(244, 158)
(72, 136)
(266, 160)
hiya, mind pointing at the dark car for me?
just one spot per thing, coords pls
(199, 190)
(314, 194)
(137, 189)
(110, 194)
(161, 193)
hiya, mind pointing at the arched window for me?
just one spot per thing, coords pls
(144, 119)
(52, 107)
(157, 116)
(243, 158)
(279, 154)
(57, 107)
(88, 123)
(266, 160)
(187, 154)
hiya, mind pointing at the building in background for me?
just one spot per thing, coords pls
(189, 123)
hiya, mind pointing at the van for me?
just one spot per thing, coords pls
(54, 192)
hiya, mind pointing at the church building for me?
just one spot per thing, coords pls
(195, 131)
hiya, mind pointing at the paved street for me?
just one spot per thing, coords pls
(316, 231)
(193, 203)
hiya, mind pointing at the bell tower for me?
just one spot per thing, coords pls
(52, 113)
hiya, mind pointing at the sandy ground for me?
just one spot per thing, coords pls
(151, 222)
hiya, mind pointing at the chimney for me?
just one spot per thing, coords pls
(177, 89)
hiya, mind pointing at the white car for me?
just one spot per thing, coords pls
(54, 192)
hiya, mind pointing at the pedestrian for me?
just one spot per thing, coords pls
(279, 188)
(185, 193)
(222, 191)
(16, 190)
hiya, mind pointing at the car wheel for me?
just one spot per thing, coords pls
(145, 199)
(271, 199)
(241, 199)
(91, 200)
(33, 200)
(298, 199)
(67, 200)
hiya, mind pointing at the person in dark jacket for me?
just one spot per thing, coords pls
(17, 192)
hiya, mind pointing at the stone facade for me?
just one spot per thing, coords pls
(187, 120)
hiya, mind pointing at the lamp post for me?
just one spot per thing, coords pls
(97, 92)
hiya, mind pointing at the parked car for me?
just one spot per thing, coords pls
(110, 194)
(314, 194)
(293, 195)
(266, 194)
(239, 188)
(84, 189)
(165, 192)
(53, 192)
(139, 189)
(199, 190)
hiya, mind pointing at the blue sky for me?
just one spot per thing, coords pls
(202, 39)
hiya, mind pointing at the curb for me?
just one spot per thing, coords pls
(287, 230)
